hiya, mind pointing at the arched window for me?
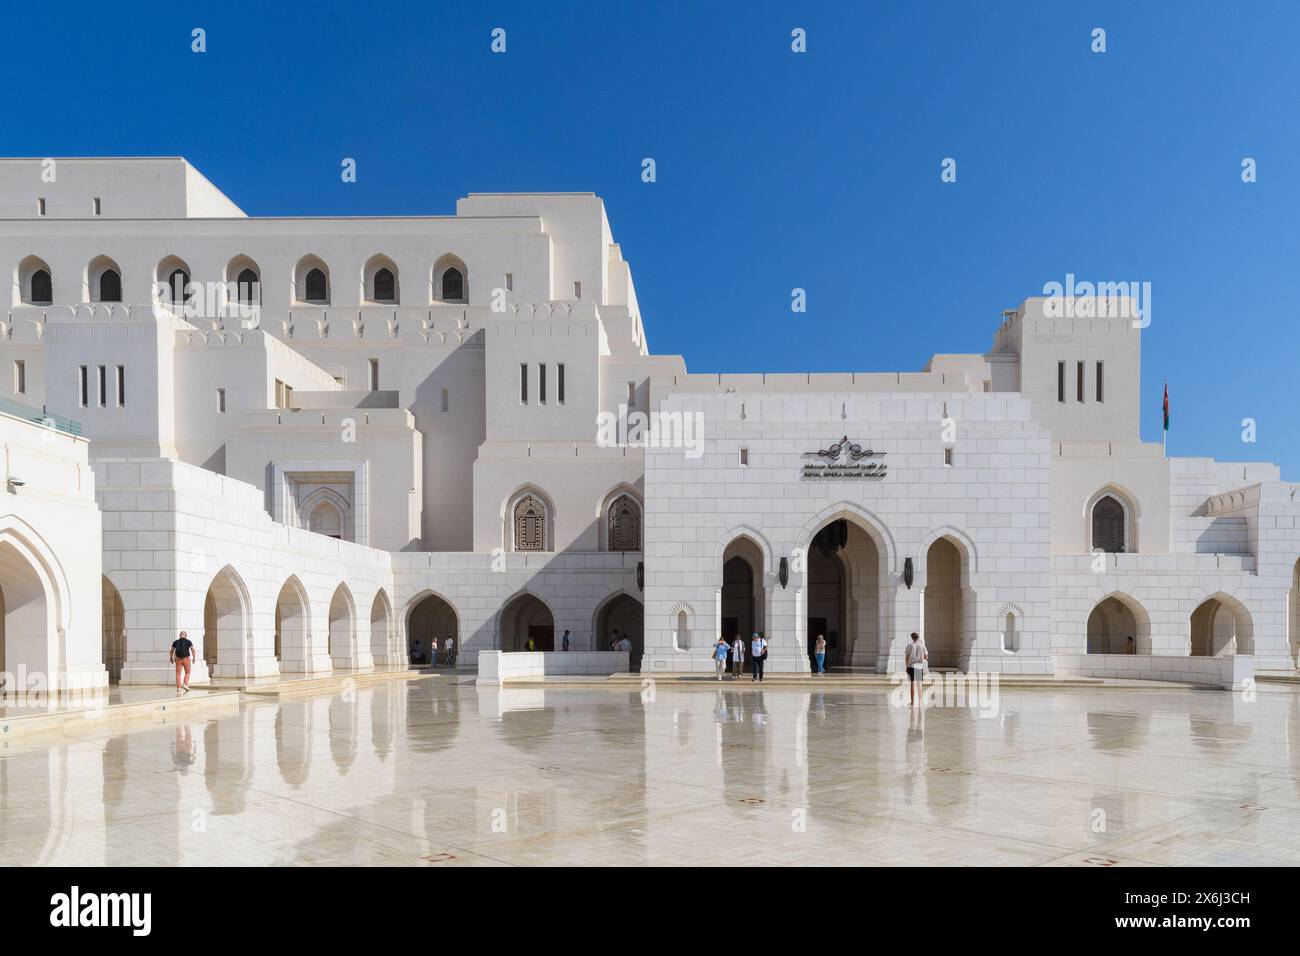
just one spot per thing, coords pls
(42, 291)
(317, 288)
(1108, 525)
(246, 287)
(453, 285)
(110, 286)
(178, 285)
(530, 524)
(326, 520)
(624, 524)
(385, 286)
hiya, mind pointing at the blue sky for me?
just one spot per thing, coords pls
(775, 170)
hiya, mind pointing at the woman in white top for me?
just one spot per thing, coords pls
(915, 657)
(737, 657)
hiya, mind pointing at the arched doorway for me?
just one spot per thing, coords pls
(1293, 615)
(380, 628)
(431, 618)
(25, 630)
(1113, 622)
(292, 628)
(624, 614)
(343, 629)
(114, 630)
(524, 617)
(744, 599)
(224, 624)
(1220, 626)
(944, 620)
(844, 593)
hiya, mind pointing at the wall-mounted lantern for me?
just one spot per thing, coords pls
(907, 573)
(783, 573)
(640, 575)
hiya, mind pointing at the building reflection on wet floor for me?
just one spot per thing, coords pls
(441, 772)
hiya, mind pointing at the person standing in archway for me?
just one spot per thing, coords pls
(182, 655)
(737, 657)
(564, 641)
(451, 651)
(915, 659)
(757, 656)
(720, 650)
(433, 652)
(819, 650)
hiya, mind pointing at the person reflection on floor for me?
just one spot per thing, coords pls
(183, 748)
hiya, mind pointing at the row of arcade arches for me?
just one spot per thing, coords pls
(225, 631)
(310, 282)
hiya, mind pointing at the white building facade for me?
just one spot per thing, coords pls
(318, 441)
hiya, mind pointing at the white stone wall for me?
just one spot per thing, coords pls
(993, 503)
(49, 561)
(170, 528)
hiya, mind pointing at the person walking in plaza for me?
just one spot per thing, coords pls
(720, 650)
(433, 651)
(737, 658)
(451, 651)
(915, 658)
(819, 651)
(564, 641)
(181, 655)
(757, 656)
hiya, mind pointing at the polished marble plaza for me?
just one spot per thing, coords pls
(439, 772)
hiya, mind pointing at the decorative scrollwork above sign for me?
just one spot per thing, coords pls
(856, 451)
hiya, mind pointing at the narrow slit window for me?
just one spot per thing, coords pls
(1060, 381)
(744, 458)
(103, 386)
(559, 383)
(523, 383)
(446, 400)
(84, 381)
(221, 400)
(947, 457)
(577, 290)
(20, 377)
(631, 394)
(40, 207)
(121, 386)
(1078, 385)
(374, 374)
(1101, 379)
(510, 282)
(541, 384)
(96, 206)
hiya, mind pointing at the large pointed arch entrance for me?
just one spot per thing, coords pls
(225, 624)
(744, 597)
(624, 614)
(1220, 626)
(843, 598)
(526, 617)
(113, 619)
(947, 625)
(25, 623)
(430, 618)
(292, 627)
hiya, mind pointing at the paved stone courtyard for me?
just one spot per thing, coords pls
(439, 772)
